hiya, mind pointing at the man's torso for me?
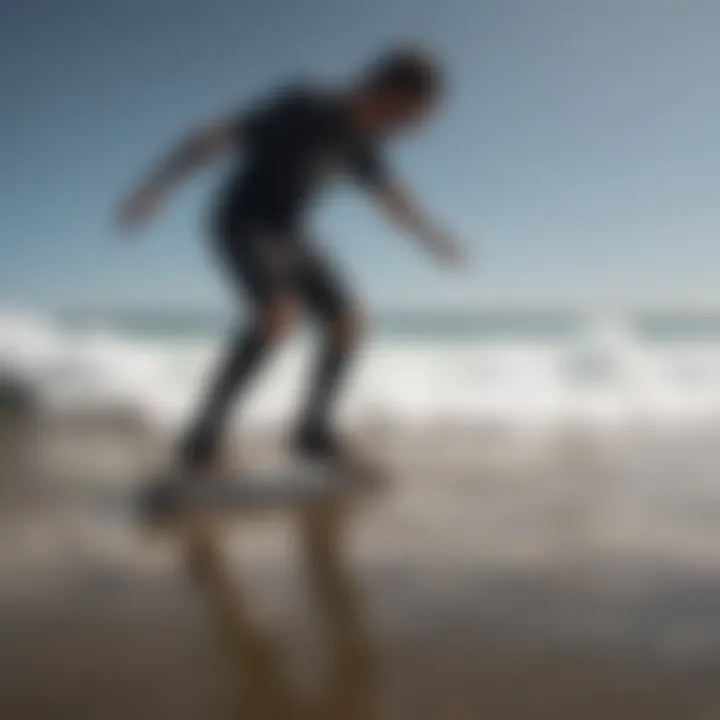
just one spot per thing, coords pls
(290, 147)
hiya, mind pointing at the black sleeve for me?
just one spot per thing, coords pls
(368, 169)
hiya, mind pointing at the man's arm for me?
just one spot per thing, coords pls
(398, 206)
(196, 150)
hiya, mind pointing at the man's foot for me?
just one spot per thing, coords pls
(216, 467)
(174, 491)
(317, 444)
(323, 446)
(199, 458)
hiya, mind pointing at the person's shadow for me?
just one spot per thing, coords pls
(260, 688)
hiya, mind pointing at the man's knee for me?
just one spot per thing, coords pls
(277, 319)
(347, 328)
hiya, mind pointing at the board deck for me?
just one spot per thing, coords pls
(168, 496)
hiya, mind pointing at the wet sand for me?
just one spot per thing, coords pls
(502, 577)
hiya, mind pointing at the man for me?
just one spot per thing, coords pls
(286, 147)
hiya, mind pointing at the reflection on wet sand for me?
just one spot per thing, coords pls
(260, 687)
(550, 582)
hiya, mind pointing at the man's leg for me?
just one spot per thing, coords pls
(260, 267)
(232, 377)
(341, 323)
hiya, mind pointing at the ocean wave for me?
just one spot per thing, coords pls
(606, 375)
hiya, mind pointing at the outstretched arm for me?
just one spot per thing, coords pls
(196, 150)
(398, 206)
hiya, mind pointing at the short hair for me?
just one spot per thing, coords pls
(407, 70)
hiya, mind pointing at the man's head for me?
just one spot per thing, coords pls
(399, 89)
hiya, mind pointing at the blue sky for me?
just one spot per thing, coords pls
(578, 154)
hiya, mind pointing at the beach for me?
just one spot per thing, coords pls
(548, 545)
(502, 575)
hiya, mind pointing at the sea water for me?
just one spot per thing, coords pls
(525, 367)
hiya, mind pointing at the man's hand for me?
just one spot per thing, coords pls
(405, 213)
(448, 250)
(140, 206)
(197, 149)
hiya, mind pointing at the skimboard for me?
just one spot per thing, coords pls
(177, 496)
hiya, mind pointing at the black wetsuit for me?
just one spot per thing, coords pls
(289, 148)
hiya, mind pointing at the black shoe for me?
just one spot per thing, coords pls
(320, 444)
(197, 452)
(317, 444)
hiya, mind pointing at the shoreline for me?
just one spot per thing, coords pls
(581, 568)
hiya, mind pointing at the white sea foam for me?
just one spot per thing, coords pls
(606, 376)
